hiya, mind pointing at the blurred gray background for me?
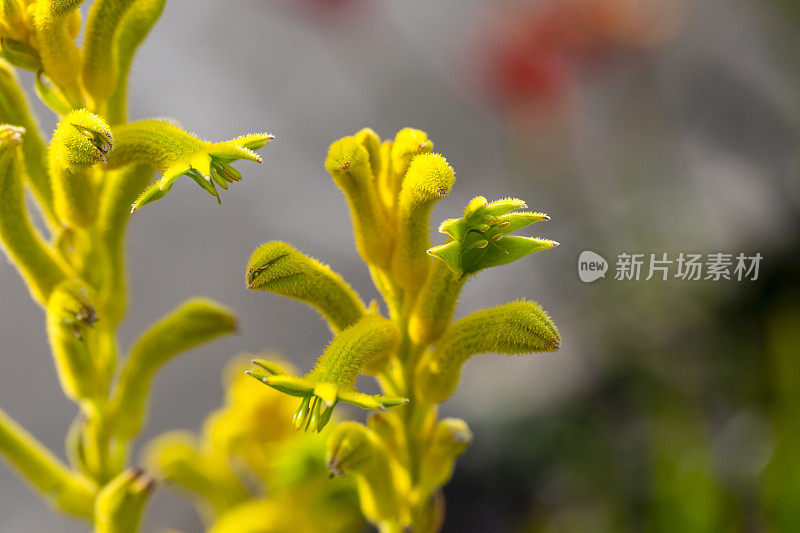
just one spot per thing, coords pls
(685, 146)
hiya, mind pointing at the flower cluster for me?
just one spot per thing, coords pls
(403, 456)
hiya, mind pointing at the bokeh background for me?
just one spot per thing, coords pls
(645, 126)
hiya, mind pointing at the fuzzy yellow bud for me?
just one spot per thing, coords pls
(363, 347)
(61, 59)
(408, 143)
(429, 179)
(195, 322)
(176, 457)
(14, 110)
(279, 268)
(36, 261)
(450, 439)
(348, 163)
(81, 140)
(514, 328)
(354, 449)
(434, 308)
(372, 143)
(99, 67)
(120, 504)
(133, 28)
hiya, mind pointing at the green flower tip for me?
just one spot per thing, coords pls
(318, 397)
(208, 168)
(480, 239)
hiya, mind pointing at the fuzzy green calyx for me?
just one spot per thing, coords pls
(480, 239)
(166, 147)
(281, 269)
(364, 346)
(514, 328)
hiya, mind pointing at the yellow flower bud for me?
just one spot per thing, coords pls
(81, 140)
(348, 163)
(428, 180)
(38, 264)
(279, 268)
(120, 504)
(354, 449)
(195, 322)
(435, 305)
(450, 439)
(514, 328)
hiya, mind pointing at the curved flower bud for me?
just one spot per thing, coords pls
(20, 54)
(177, 457)
(120, 504)
(70, 320)
(408, 143)
(389, 429)
(133, 28)
(279, 268)
(429, 179)
(81, 140)
(64, 489)
(480, 239)
(372, 143)
(14, 110)
(36, 261)
(54, 23)
(349, 165)
(362, 346)
(99, 74)
(450, 439)
(433, 309)
(120, 190)
(354, 449)
(176, 153)
(195, 322)
(514, 328)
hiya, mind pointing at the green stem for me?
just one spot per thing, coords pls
(69, 492)
(35, 260)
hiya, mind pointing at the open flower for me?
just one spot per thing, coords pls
(165, 146)
(480, 239)
(356, 349)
